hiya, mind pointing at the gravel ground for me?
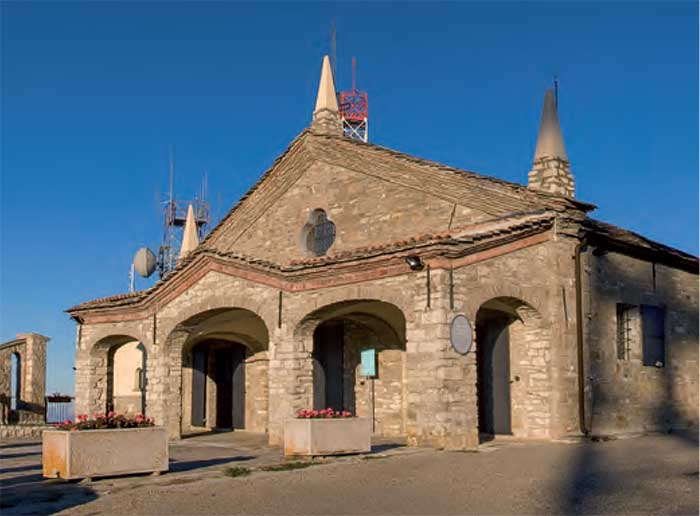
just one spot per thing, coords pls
(643, 475)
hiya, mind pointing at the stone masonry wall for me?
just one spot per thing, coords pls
(362, 221)
(427, 392)
(380, 398)
(437, 402)
(627, 396)
(538, 283)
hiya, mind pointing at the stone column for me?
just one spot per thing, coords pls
(35, 373)
(164, 382)
(290, 377)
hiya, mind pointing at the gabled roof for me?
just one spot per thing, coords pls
(490, 195)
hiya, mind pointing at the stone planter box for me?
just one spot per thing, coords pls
(99, 453)
(335, 436)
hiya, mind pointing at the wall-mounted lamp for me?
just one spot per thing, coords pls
(415, 262)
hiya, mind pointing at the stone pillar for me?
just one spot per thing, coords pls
(82, 374)
(440, 384)
(256, 392)
(290, 377)
(164, 399)
(35, 371)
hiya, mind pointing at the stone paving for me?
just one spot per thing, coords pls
(653, 474)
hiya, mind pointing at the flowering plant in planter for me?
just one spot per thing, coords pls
(323, 413)
(105, 421)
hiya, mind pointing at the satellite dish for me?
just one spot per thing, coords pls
(145, 262)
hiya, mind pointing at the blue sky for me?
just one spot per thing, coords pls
(93, 93)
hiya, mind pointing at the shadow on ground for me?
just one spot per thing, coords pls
(381, 448)
(42, 498)
(177, 466)
(17, 445)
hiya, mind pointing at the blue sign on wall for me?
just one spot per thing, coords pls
(369, 362)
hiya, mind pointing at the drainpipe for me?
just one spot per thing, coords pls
(579, 337)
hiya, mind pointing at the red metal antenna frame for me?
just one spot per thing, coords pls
(353, 104)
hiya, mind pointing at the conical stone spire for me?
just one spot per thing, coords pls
(326, 117)
(190, 240)
(550, 143)
(551, 171)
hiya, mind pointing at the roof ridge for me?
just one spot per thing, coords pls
(467, 173)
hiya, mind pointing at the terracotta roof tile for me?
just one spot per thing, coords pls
(479, 232)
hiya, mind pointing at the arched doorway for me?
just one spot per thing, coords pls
(340, 335)
(513, 377)
(224, 364)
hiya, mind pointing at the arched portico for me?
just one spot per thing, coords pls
(218, 363)
(335, 336)
(513, 369)
(114, 360)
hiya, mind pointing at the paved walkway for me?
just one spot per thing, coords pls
(23, 490)
(644, 475)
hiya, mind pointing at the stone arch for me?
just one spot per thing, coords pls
(334, 336)
(511, 294)
(513, 368)
(102, 351)
(105, 334)
(321, 300)
(386, 317)
(212, 328)
(192, 312)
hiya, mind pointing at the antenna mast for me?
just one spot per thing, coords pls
(353, 110)
(174, 217)
(333, 50)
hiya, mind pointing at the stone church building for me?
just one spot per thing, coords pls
(576, 326)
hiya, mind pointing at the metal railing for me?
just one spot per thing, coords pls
(57, 411)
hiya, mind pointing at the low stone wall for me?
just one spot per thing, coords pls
(22, 431)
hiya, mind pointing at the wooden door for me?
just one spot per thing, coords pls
(238, 353)
(493, 365)
(199, 385)
(328, 351)
(223, 365)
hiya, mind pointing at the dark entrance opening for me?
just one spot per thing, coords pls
(223, 363)
(493, 372)
(329, 351)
